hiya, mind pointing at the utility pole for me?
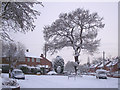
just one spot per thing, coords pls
(45, 50)
(103, 59)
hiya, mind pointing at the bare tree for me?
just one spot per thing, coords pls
(77, 29)
(14, 52)
(17, 17)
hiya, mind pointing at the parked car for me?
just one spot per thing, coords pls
(101, 74)
(17, 74)
(116, 74)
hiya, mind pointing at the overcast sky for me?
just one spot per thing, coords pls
(49, 13)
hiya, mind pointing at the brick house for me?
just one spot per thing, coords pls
(31, 60)
(115, 65)
(111, 66)
(91, 68)
(37, 61)
(94, 67)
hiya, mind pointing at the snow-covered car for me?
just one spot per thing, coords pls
(52, 73)
(116, 74)
(17, 74)
(101, 74)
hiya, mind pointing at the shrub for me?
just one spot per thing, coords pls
(5, 68)
(34, 70)
(25, 69)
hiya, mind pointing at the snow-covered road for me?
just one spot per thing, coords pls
(45, 81)
(52, 81)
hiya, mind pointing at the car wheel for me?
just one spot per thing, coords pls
(13, 77)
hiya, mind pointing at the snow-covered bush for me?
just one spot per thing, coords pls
(59, 69)
(34, 70)
(70, 67)
(9, 83)
(52, 73)
(58, 64)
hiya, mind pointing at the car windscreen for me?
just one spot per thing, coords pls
(18, 72)
(101, 72)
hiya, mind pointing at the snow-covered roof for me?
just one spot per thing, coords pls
(28, 54)
(96, 65)
(106, 62)
(115, 61)
(109, 64)
(101, 70)
(92, 66)
(101, 65)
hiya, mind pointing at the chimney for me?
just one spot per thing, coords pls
(41, 55)
(27, 50)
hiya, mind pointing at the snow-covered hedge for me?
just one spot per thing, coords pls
(25, 69)
(52, 73)
(9, 83)
(29, 69)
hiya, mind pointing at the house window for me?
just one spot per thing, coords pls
(37, 60)
(32, 59)
(28, 59)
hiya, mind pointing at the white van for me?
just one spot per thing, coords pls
(101, 74)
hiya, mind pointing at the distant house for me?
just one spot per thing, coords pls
(111, 66)
(115, 65)
(91, 68)
(41, 61)
(31, 60)
(94, 67)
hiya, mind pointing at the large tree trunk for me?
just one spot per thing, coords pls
(76, 60)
